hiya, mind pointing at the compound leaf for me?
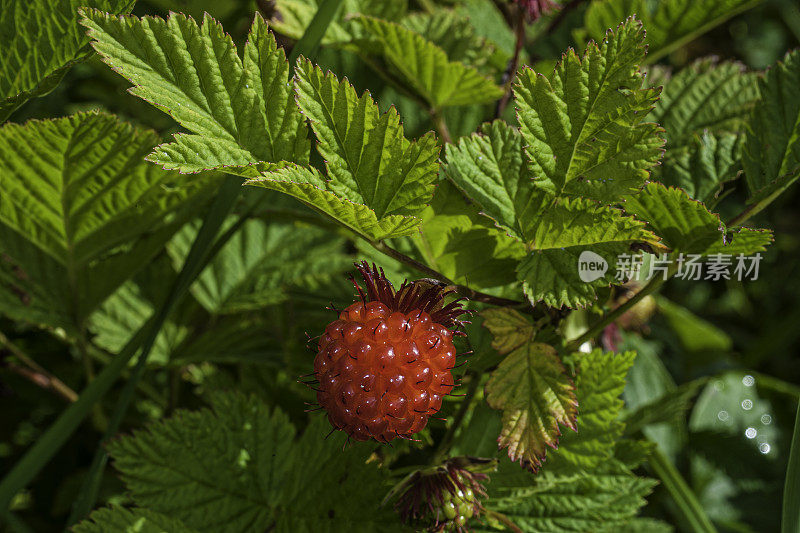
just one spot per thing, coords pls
(241, 113)
(238, 467)
(41, 41)
(583, 124)
(426, 68)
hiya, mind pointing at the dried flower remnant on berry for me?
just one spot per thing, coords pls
(384, 365)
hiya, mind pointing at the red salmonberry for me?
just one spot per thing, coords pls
(385, 364)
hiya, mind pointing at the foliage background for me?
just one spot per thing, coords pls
(749, 329)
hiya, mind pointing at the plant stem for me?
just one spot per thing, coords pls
(611, 316)
(447, 440)
(441, 126)
(513, 64)
(503, 519)
(36, 373)
(790, 518)
(465, 291)
(683, 496)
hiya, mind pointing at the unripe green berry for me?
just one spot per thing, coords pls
(449, 509)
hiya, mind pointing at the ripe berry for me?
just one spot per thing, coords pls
(385, 364)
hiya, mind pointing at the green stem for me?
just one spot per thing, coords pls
(447, 440)
(790, 518)
(441, 126)
(687, 502)
(503, 519)
(611, 316)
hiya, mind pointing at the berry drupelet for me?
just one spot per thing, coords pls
(385, 364)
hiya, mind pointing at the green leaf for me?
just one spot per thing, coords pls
(240, 112)
(535, 393)
(701, 167)
(238, 467)
(567, 234)
(41, 41)
(670, 24)
(464, 246)
(308, 186)
(118, 518)
(583, 124)
(695, 334)
(573, 503)
(81, 213)
(252, 269)
(491, 169)
(772, 149)
(745, 241)
(295, 16)
(684, 224)
(705, 97)
(452, 32)
(790, 522)
(669, 407)
(426, 68)
(599, 383)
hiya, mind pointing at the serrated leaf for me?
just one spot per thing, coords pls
(745, 241)
(41, 41)
(599, 384)
(707, 96)
(237, 467)
(602, 502)
(308, 186)
(116, 518)
(295, 16)
(536, 395)
(583, 124)
(669, 407)
(464, 246)
(772, 148)
(81, 213)
(490, 167)
(426, 68)
(684, 224)
(703, 165)
(452, 32)
(669, 24)
(567, 234)
(252, 269)
(510, 329)
(240, 112)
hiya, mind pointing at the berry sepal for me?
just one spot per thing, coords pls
(443, 498)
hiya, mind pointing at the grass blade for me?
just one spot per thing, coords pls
(790, 519)
(681, 493)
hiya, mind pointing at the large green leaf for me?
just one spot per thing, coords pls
(532, 388)
(568, 235)
(706, 96)
(119, 519)
(41, 41)
(597, 502)
(684, 224)
(452, 32)
(240, 111)
(294, 16)
(772, 149)
(701, 167)
(80, 213)
(426, 68)
(464, 246)
(600, 382)
(238, 467)
(376, 177)
(252, 269)
(583, 124)
(669, 23)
